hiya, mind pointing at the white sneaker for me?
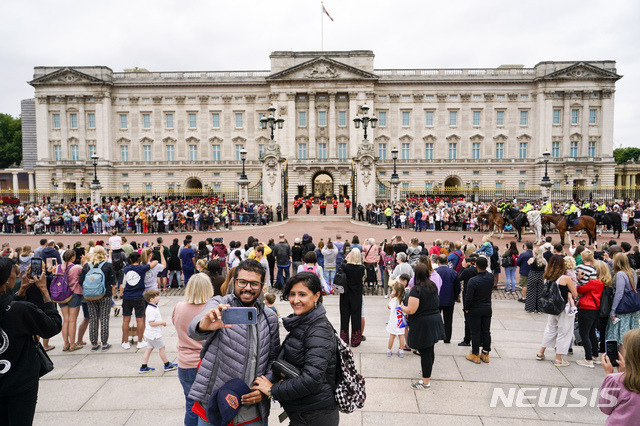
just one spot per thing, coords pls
(126, 345)
(141, 345)
(585, 363)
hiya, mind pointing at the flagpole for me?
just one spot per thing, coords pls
(321, 26)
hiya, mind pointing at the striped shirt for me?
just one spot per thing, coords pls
(589, 271)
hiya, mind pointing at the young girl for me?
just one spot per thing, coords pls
(269, 301)
(397, 295)
(620, 392)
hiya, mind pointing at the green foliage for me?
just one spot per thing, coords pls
(10, 141)
(622, 155)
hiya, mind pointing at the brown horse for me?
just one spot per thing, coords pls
(495, 219)
(560, 221)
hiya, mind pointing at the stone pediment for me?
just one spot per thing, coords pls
(582, 71)
(67, 76)
(322, 68)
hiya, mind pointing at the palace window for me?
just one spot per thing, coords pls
(453, 118)
(193, 152)
(382, 118)
(322, 118)
(215, 151)
(573, 151)
(500, 150)
(146, 121)
(124, 153)
(555, 149)
(75, 153)
(523, 150)
(322, 151)
(428, 151)
(453, 151)
(592, 148)
(123, 121)
(406, 151)
(73, 118)
(406, 118)
(475, 151)
(382, 151)
(170, 153)
(92, 150)
(239, 117)
(302, 151)
(476, 118)
(192, 120)
(302, 118)
(91, 121)
(342, 151)
(169, 121)
(342, 118)
(499, 118)
(575, 116)
(429, 118)
(239, 148)
(524, 118)
(593, 116)
(557, 116)
(215, 120)
(56, 121)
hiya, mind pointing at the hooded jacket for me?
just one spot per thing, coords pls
(307, 244)
(225, 352)
(311, 346)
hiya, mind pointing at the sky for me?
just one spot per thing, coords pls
(211, 35)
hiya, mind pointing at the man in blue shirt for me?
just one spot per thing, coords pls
(449, 292)
(523, 263)
(132, 298)
(187, 261)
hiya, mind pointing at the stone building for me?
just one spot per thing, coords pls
(160, 132)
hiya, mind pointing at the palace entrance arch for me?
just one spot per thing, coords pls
(322, 183)
(193, 187)
(452, 185)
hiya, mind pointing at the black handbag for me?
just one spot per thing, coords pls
(285, 370)
(606, 300)
(46, 365)
(550, 300)
(339, 281)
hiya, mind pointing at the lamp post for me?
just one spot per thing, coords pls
(243, 194)
(395, 180)
(546, 182)
(365, 120)
(95, 183)
(271, 121)
(243, 157)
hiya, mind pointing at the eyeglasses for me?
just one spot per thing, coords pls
(243, 283)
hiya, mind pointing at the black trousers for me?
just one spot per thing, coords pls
(350, 310)
(587, 321)
(388, 222)
(467, 328)
(329, 417)
(427, 357)
(19, 409)
(601, 325)
(480, 323)
(447, 318)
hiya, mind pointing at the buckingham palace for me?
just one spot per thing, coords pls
(441, 129)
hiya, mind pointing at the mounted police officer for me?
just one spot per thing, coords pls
(547, 208)
(572, 212)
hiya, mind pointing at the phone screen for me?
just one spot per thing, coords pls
(611, 347)
(36, 267)
(50, 262)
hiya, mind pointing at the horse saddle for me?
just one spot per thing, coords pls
(574, 222)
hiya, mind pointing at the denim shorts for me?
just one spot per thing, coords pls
(75, 301)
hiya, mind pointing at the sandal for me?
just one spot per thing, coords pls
(66, 348)
(75, 347)
(562, 363)
(50, 348)
(540, 357)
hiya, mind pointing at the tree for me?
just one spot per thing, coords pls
(622, 155)
(10, 140)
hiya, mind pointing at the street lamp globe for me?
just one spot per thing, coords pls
(357, 121)
(243, 154)
(394, 153)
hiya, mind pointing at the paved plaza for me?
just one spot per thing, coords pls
(106, 389)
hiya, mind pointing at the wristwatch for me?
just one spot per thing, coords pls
(269, 394)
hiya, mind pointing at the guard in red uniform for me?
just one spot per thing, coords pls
(347, 204)
(323, 207)
(308, 204)
(335, 205)
(296, 205)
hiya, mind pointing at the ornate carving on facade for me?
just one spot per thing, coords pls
(500, 137)
(271, 165)
(42, 99)
(488, 96)
(606, 94)
(548, 95)
(134, 99)
(512, 96)
(576, 137)
(250, 98)
(180, 99)
(157, 99)
(476, 138)
(366, 170)
(226, 99)
(203, 99)
(442, 97)
(430, 138)
(417, 97)
(405, 139)
(322, 70)
(291, 96)
(365, 148)
(169, 139)
(453, 138)
(272, 150)
(594, 138)
(556, 139)
(465, 96)
(239, 140)
(146, 140)
(192, 140)
(215, 140)
(123, 140)
(382, 139)
(524, 138)
(394, 97)
(282, 110)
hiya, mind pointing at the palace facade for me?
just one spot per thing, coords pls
(159, 132)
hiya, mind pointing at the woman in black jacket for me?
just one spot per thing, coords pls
(310, 347)
(20, 321)
(351, 299)
(173, 264)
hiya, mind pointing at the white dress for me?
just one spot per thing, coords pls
(392, 325)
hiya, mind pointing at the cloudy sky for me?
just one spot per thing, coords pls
(164, 35)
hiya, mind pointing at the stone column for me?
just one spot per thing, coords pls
(365, 175)
(353, 132)
(272, 162)
(243, 190)
(333, 153)
(96, 194)
(31, 187)
(395, 190)
(313, 126)
(16, 194)
(289, 148)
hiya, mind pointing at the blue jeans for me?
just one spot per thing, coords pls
(329, 274)
(257, 423)
(178, 275)
(283, 276)
(187, 376)
(511, 278)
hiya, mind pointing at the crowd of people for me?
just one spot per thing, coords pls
(134, 216)
(422, 282)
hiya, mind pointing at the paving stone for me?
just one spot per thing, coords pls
(62, 364)
(384, 419)
(116, 365)
(381, 366)
(157, 417)
(67, 395)
(66, 418)
(582, 414)
(137, 394)
(501, 370)
(393, 395)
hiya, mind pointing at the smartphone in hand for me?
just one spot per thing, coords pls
(240, 316)
(36, 267)
(611, 347)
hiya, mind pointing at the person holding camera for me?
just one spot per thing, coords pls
(20, 321)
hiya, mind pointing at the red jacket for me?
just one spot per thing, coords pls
(591, 294)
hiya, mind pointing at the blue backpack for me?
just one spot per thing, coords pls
(93, 286)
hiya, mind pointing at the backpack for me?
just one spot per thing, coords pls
(339, 281)
(118, 261)
(551, 301)
(507, 262)
(59, 289)
(458, 266)
(350, 391)
(94, 283)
